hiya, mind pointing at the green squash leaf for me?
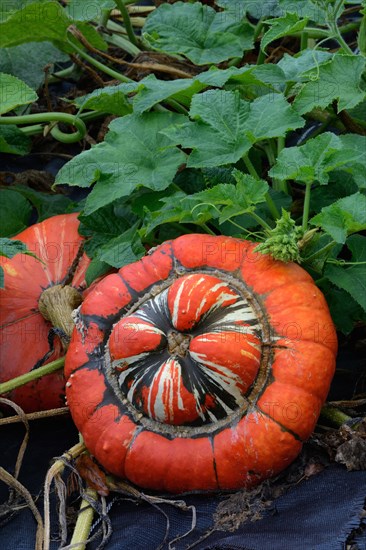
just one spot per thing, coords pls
(178, 208)
(313, 10)
(9, 248)
(47, 204)
(357, 246)
(258, 10)
(247, 192)
(111, 99)
(226, 126)
(122, 250)
(153, 90)
(15, 212)
(346, 216)
(95, 269)
(14, 141)
(350, 278)
(14, 92)
(44, 22)
(282, 26)
(88, 11)
(294, 66)
(338, 79)
(198, 32)
(27, 61)
(345, 311)
(105, 224)
(319, 156)
(133, 154)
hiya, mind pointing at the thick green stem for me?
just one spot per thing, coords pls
(334, 12)
(126, 20)
(234, 62)
(335, 416)
(320, 252)
(272, 150)
(258, 29)
(260, 221)
(84, 522)
(312, 32)
(177, 106)
(337, 35)
(270, 153)
(252, 171)
(272, 207)
(261, 57)
(11, 385)
(50, 117)
(63, 74)
(249, 165)
(120, 41)
(103, 20)
(99, 65)
(280, 144)
(305, 214)
(304, 40)
(207, 229)
(35, 129)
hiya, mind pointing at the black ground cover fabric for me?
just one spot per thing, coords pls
(317, 514)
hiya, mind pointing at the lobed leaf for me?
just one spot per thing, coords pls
(198, 32)
(122, 250)
(28, 61)
(282, 26)
(15, 212)
(296, 66)
(135, 153)
(14, 141)
(352, 279)
(313, 161)
(337, 79)
(343, 217)
(111, 99)
(9, 248)
(14, 92)
(44, 21)
(226, 126)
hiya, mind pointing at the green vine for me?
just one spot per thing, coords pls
(65, 118)
(15, 383)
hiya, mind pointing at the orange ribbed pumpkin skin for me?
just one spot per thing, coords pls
(23, 330)
(202, 366)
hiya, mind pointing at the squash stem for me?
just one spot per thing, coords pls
(320, 252)
(261, 57)
(52, 117)
(98, 64)
(14, 383)
(258, 29)
(84, 522)
(304, 40)
(56, 304)
(270, 203)
(207, 229)
(126, 20)
(305, 215)
(313, 32)
(334, 415)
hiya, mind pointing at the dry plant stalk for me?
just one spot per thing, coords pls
(56, 470)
